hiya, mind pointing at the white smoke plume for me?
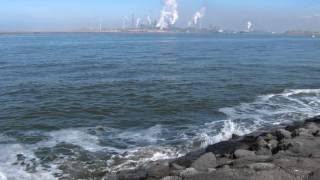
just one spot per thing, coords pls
(138, 22)
(198, 16)
(124, 22)
(249, 26)
(148, 20)
(168, 15)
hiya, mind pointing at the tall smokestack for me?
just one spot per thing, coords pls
(168, 15)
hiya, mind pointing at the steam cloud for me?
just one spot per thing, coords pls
(168, 15)
(249, 26)
(198, 16)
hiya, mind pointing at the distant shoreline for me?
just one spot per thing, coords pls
(289, 33)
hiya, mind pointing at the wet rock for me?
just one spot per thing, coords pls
(205, 162)
(315, 119)
(241, 153)
(283, 134)
(189, 158)
(136, 174)
(158, 169)
(226, 147)
(20, 157)
(235, 136)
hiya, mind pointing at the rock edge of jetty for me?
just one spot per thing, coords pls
(286, 152)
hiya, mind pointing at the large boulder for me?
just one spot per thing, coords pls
(242, 153)
(188, 159)
(226, 147)
(283, 134)
(158, 169)
(205, 162)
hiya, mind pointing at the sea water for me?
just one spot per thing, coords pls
(119, 100)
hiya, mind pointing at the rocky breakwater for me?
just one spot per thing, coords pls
(290, 152)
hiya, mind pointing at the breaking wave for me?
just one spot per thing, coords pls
(131, 148)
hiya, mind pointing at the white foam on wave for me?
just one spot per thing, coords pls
(9, 151)
(9, 171)
(144, 136)
(291, 105)
(139, 156)
(77, 137)
(273, 109)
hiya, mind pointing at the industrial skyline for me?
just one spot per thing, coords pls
(34, 15)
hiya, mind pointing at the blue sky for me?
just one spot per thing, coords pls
(272, 15)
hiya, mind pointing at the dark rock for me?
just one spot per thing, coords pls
(205, 162)
(20, 157)
(283, 134)
(314, 119)
(136, 174)
(235, 137)
(226, 147)
(241, 153)
(189, 158)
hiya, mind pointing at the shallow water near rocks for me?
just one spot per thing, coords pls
(115, 101)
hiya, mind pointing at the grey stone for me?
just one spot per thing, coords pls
(136, 174)
(176, 166)
(315, 175)
(261, 166)
(241, 153)
(263, 151)
(188, 172)
(273, 144)
(261, 143)
(283, 134)
(302, 132)
(172, 178)
(158, 169)
(205, 162)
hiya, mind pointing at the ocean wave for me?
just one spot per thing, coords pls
(134, 147)
(272, 109)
